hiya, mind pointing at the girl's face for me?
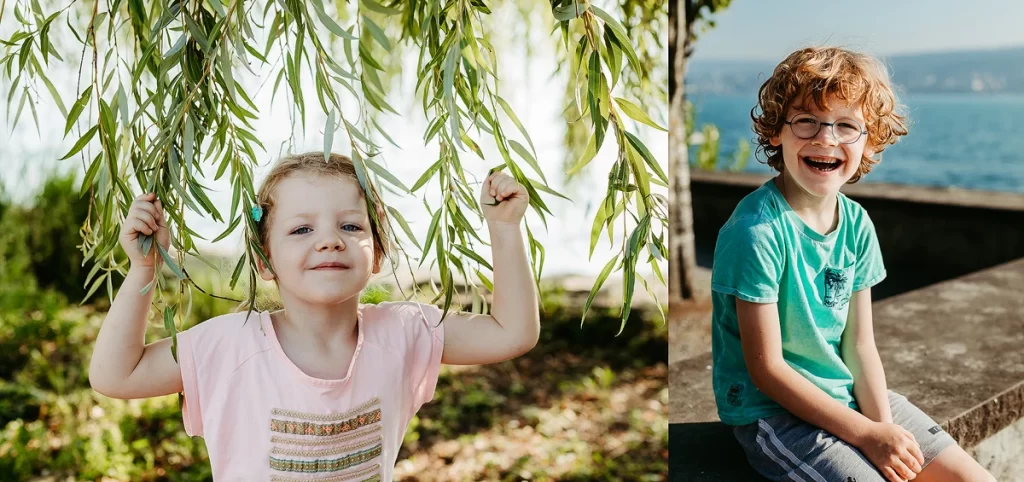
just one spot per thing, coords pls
(319, 241)
(821, 164)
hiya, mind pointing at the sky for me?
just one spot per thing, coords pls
(769, 30)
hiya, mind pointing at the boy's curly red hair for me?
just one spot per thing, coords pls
(821, 74)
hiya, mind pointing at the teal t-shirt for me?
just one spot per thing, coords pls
(766, 254)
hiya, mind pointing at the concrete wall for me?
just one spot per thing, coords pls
(927, 235)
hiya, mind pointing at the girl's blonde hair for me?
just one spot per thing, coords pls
(338, 166)
(818, 74)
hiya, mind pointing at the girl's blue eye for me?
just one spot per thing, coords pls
(300, 229)
(356, 226)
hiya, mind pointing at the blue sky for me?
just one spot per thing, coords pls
(770, 29)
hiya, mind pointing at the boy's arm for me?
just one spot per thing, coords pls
(513, 326)
(762, 350)
(860, 354)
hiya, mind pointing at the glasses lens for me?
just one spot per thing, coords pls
(805, 126)
(847, 130)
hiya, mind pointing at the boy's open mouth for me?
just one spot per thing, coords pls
(822, 164)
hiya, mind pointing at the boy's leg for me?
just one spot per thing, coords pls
(944, 459)
(785, 448)
(953, 464)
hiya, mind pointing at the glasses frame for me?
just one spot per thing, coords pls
(831, 126)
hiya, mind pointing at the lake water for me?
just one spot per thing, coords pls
(967, 141)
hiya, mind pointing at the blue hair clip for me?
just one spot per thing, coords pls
(257, 213)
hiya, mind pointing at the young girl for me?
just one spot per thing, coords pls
(323, 389)
(796, 370)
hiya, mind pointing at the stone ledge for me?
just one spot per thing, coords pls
(884, 191)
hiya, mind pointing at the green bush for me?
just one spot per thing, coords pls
(39, 243)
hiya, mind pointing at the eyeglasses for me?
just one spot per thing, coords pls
(844, 131)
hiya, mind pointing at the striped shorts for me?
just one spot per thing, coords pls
(783, 447)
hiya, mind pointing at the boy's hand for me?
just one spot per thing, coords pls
(503, 199)
(144, 217)
(893, 450)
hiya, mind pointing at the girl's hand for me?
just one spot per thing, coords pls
(503, 199)
(145, 217)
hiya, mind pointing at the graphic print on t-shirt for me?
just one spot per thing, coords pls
(340, 447)
(837, 288)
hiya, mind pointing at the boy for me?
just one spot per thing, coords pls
(796, 370)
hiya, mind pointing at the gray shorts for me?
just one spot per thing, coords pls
(783, 447)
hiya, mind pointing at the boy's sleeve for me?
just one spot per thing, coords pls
(870, 270)
(424, 347)
(748, 261)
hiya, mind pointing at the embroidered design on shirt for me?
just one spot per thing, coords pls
(337, 445)
(348, 476)
(323, 441)
(326, 465)
(735, 395)
(837, 290)
(321, 429)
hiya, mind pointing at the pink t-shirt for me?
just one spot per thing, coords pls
(264, 419)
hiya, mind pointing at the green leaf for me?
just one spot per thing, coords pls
(515, 120)
(329, 134)
(621, 38)
(485, 281)
(178, 44)
(169, 319)
(430, 234)
(588, 155)
(568, 12)
(197, 33)
(56, 96)
(170, 262)
(646, 154)
(426, 175)
(405, 226)
(541, 187)
(122, 104)
(219, 7)
(636, 113)
(95, 285)
(358, 134)
(377, 33)
(77, 109)
(376, 7)
(597, 286)
(525, 154)
(330, 23)
(146, 243)
(189, 140)
(595, 231)
(231, 227)
(386, 175)
(81, 142)
(473, 256)
(449, 80)
(237, 272)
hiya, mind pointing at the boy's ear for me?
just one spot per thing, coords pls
(776, 141)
